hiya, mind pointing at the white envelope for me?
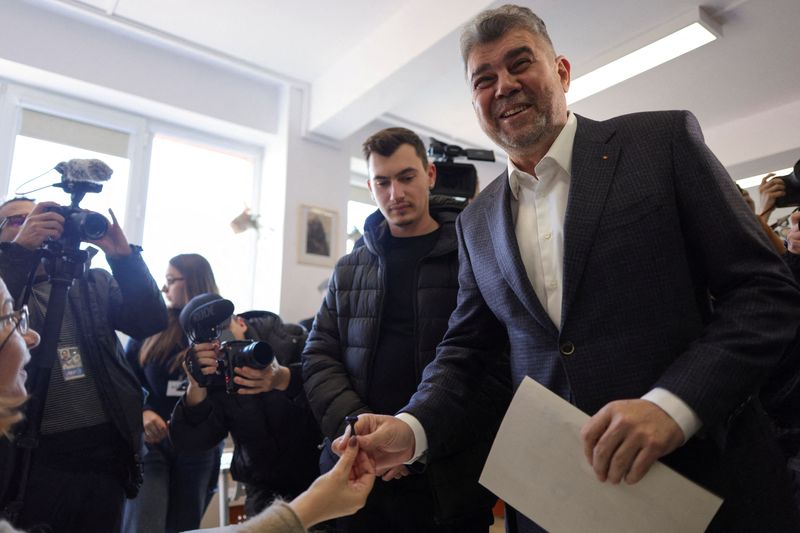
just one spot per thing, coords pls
(537, 465)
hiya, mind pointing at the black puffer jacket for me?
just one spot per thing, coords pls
(340, 351)
(275, 436)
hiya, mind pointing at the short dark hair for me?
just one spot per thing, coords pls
(387, 141)
(492, 24)
(16, 199)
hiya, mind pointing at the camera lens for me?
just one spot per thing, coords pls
(93, 226)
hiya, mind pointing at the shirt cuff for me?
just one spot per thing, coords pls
(420, 439)
(676, 408)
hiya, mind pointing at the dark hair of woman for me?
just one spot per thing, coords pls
(197, 278)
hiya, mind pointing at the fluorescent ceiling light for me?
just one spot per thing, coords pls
(691, 34)
(755, 181)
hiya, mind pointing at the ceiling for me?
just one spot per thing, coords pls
(367, 60)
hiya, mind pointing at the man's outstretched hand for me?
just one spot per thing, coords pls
(387, 440)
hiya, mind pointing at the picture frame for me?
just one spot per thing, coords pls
(318, 236)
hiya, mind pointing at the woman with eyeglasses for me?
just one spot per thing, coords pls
(174, 494)
(15, 341)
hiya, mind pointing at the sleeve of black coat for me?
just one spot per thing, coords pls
(327, 385)
(199, 427)
(135, 304)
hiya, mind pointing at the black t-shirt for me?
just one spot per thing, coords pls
(394, 372)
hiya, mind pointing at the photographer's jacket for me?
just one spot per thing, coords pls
(274, 433)
(339, 359)
(100, 304)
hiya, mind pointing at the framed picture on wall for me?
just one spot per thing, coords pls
(318, 234)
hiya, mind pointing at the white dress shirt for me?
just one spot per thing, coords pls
(539, 206)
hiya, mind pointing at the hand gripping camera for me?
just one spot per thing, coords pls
(203, 319)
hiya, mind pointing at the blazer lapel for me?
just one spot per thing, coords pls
(506, 249)
(594, 159)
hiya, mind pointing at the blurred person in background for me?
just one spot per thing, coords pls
(174, 494)
(274, 433)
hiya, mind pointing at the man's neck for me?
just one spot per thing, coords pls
(422, 227)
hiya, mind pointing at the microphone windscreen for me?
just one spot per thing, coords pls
(203, 313)
(92, 170)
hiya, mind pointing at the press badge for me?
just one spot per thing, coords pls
(176, 387)
(71, 363)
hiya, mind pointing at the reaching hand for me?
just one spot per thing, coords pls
(258, 380)
(41, 224)
(388, 440)
(625, 438)
(340, 492)
(114, 243)
(396, 472)
(155, 429)
(793, 237)
(769, 191)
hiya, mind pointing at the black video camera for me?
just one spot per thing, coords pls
(792, 182)
(203, 319)
(457, 180)
(79, 176)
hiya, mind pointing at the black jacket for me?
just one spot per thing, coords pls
(341, 348)
(275, 436)
(130, 302)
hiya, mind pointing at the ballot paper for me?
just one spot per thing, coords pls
(538, 467)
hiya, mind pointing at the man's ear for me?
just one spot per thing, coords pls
(564, 71)
(431, 176)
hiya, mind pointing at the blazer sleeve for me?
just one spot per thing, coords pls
(756, 301)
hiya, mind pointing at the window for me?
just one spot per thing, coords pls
(194, 192)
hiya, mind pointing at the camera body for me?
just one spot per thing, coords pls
(203, 319)
(81, 225)
(792, 182)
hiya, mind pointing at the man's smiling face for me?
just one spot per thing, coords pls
(518, 91)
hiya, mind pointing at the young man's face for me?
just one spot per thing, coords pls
(12, 216)
(400, 185)
(518, 88)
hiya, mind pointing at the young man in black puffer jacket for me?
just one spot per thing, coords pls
(387, 308)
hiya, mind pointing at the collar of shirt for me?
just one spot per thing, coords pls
(559, 155)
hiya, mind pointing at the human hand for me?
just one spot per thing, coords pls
(625, 438)
(41, 224)
(114, 243)
(340, 492)
(195, 394)
(155, 429)
(396, 472)
(258, 380)
(206, 355)
(793, 237)
(769, 191)
(388, 440)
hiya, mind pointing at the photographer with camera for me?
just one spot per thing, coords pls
(261, 403)
(88, 454)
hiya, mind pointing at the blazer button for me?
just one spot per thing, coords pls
(567, 348)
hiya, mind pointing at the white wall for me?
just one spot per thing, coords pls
(56, 43)
(107, 65)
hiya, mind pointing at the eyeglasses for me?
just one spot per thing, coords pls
(19, 322)
(171, 281)
(14, 221)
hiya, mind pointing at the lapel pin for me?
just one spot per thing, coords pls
(604, 157)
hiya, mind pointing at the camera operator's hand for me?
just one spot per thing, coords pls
(114, 243)
(258, 380)
(769, 191)
(206, 355)
(793, 237)
(155, 429)
(40, 225)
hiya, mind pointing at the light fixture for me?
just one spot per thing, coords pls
(674, 39)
